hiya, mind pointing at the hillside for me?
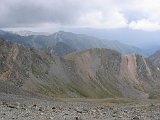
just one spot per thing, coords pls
(93, 73)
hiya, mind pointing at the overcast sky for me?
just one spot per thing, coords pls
(105, 14)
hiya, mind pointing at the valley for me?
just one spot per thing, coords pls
(79, 59)
(69, 83)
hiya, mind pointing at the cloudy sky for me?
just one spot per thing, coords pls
(100, 14)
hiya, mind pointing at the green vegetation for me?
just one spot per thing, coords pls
(52, 90)
(73, 55)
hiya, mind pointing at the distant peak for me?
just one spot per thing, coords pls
(61, 31)
(64, 32)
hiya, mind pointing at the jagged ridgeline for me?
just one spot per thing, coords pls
(92, 73)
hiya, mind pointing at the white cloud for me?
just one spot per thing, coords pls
(106, 14)
(142, 14)
(99, 19)
(102, 14)
(149, 11)
(144, 24)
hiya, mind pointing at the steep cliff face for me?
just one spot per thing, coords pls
(140, 75)
(93, 73)
(129, 75)
(28, 69)
(15, 62)
(155, 59)
(98, 70)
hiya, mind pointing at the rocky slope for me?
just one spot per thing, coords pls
(93, 73)
(155, 58)
(22, 108)
(71, 41)
(129, 75)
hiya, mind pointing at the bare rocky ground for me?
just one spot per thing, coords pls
(13, 107)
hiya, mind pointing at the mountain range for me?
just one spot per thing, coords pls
(70, 65)
(63, 43)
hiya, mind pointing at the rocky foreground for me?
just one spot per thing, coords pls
(14, 107)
